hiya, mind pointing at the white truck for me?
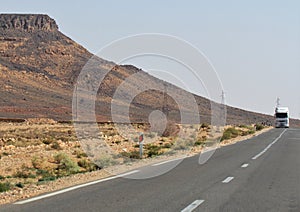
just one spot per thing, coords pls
(282, 117)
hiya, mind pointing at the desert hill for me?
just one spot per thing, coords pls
(40, 65)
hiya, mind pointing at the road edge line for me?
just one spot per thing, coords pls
(73, 188)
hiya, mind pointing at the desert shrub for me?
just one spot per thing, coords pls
(19, 185)
(251, 131)
(198, 143)
(117, 142)
(204, 125)
(47, 141)
(87, 165)
(202, 138)
(2, 177)
(66, 166)
(63, 139)
(45, 175)
(112, 133)
(153, 150)
(125, 154)
(24, 172)
(259, 127)
(55, 145)
(5, 187)
(5, 154)
(80, 154)
(245, 126)
(182, 144)
(134, 154)
(47, 178)
(248, 132)
(230, 133)
(37, 162)
(167, 145)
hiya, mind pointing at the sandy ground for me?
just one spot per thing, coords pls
(34, 190)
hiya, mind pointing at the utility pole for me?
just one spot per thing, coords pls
(278, 102)
(165, 109)
(223, 97)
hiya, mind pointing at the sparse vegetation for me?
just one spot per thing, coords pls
(167, 145)
(45, 175)
(87, 165)
(198, 143)
(230, 133)
(182, 144)
(56, 145)
(153, 150)
(25, 172)
(241, 130)
(133, 155)
(66, 166)
(19, 185)
(204, 125)
(5, 186)
(259, 127)
(79, 153)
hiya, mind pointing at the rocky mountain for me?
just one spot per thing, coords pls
(39, 67)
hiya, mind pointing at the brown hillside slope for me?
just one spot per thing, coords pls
(39, 67)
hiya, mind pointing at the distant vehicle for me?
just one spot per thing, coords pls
(282, 117)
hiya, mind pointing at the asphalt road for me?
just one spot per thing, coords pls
(259, 174)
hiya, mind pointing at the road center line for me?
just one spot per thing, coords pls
(228, 179)
(192, 206)
(245, 165)
(269, 146)
(157, 164)
(74, 187)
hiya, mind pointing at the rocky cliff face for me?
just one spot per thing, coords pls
(27, 22)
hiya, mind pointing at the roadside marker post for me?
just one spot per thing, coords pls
(141, 139)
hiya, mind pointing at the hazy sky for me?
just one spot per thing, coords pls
(253, 45)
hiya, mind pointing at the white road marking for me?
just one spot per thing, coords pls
(74, 187)
(228, 179)
(193, 206)
(269, 146)
(245, 165)
(157, 164)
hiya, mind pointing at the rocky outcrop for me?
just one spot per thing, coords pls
(27, 22)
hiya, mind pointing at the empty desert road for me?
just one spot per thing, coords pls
(259, 174)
